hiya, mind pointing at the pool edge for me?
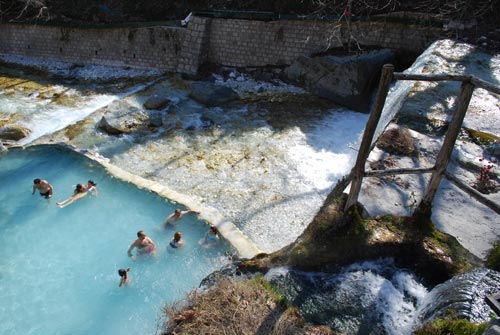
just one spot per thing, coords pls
(244, 246)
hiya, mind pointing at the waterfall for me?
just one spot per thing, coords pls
(378, 298)
(464, 294)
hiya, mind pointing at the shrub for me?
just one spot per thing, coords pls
(450, 324)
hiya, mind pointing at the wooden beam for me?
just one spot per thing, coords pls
(430, 77)
(473, 193)
(485, 85)
(364, 149)
(379, 173)
(463, 100)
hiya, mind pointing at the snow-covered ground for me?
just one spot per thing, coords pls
(455, 212)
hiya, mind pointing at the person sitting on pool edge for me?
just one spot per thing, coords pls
(123, 276)
(177, 240)
(44, 187)
(176, 216)
(80, 191)
(144, 245)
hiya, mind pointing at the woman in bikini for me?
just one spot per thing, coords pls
(80, 192)
(177, 240)
(143, 244)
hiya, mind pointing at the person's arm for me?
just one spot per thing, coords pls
(190, 211)
(34, 189)
(129, 251)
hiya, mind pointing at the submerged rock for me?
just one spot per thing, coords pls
(346, 80)
(14, 132)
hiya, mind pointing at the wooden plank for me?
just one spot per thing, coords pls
(364, 149)
(379, 173)
(463, 100)
(473, 193)
(486, 85)
(431, 77)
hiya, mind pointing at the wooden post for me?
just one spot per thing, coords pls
(425, 207)
(364, 149)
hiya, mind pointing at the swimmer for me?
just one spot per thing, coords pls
(44, 187)
(177, 240)
(91, 187)
(176, 216)
(123, 276)
(80, 192)
(211, 237)
(144, 245)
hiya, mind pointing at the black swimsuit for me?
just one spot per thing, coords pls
(47, 194)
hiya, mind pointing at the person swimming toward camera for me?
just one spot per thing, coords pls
(176, 240)
(176, 216)
(123, 276)
(44, 187)
(143, 244)
(81, 190)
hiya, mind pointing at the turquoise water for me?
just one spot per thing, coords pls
(58, 267)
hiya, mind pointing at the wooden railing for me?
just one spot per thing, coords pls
(469, 83)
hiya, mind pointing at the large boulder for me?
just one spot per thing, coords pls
(120, 118)
(212, 95)
(348, 80)
(14, 132)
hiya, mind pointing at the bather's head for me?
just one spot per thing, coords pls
(177, 236)
(36, 181)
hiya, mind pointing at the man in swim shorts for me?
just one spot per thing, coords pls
(144, 245)
(44, 187)
(176, 216)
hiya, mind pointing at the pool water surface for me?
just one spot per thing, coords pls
(59, 266)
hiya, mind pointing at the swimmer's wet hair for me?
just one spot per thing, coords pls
(91, 182)
(36, 181)
(122, 272)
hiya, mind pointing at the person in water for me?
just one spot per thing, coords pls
(176, 216)
(143, 244)
(123, 276)
(92, 187)
(212, 235)
(81, 190)
(44, 187)
(177, 240)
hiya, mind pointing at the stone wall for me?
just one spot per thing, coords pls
(258, 43)
(154, 47)
(228, 42)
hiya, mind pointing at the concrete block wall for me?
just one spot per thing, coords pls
(153, 47)
(242, 43)
(227, 42)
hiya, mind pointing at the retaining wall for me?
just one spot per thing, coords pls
(228, 42)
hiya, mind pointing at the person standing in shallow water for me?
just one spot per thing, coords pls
(143, 244)
(123, 276)
(176, 216)
(44, 187)
(177, 240)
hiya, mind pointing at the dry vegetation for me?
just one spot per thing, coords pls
(127, 10)
(246, 306)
